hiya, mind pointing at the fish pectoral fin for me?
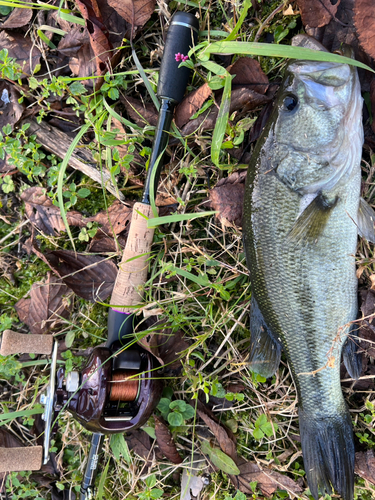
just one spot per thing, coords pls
(265, 349)
(310, 224)
(365, 221)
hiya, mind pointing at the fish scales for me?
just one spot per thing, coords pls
(300, 236)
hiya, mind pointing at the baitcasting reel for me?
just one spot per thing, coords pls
(114, 393)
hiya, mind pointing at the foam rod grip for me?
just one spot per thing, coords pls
(21, 459)
(181, 37)
(16, 343)
(132, 274)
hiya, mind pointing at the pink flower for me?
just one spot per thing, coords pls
(180, 57)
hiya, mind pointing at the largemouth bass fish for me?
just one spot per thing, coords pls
(302, 212)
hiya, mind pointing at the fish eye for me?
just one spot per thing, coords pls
(290, 102)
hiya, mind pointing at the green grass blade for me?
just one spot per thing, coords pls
(60, 180)
(247, 4)
(5, 418)
(118, 117)
(199, 280)
(153, 96)
(103, 477)
(222, 121)
(276, 50)
(169, 219)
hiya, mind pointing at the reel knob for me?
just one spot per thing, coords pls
(72, 381)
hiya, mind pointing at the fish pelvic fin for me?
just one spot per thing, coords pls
(328, 453)
(351, 356)
(309, 226)
(365, 221)
(265, 349)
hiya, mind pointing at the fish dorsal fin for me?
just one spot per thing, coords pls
(365, 221)
(310, 224)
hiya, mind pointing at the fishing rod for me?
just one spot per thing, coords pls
(115, 391)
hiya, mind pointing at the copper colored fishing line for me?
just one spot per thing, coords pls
(122, 389)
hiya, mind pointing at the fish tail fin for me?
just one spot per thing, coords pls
(328, 453)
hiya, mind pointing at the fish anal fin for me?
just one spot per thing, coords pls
(351, 357)
(265, 350)
(365, 221)
(310, 224)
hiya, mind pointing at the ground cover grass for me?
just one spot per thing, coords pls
(198, 280)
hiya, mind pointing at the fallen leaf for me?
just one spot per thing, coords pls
(191, 104)
(90, 276)
(46, 306)
(192, 484)
(365, 465)
(165, 441)
(318, 13)
(71, 43)
(225, 443)
(249, 74)
(220, 459)
(98, 33)
(17, 18)
(83, 64)
(268, 481)
(242, 99)
(227, 198)
(135, 12)
(113, 221)
(141, 114)
(372, 99)
(167, 347)
(44, 215)
(10, 109)
(22, 49)
(364, 21)
(139, 441)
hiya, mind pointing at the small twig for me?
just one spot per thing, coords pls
(269, 18)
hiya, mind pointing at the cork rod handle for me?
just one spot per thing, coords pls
(132, 274)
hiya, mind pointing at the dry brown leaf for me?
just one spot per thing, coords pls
(90, 276)
(243, 99)
(21, 48)
(115, 220)
(139, 441)
(44, 215)
(165, 441)
(10, 109)
(227, 198)
(97, 31)
(372, 99)
(135, 12)
(141, 114)
(191, 104)
(225, 443)
(167, 347)
(317, 13)
(364, 21)
(249, 74)
(72, 42)
(365, 465)
(17, 18)
(83, 64)
(268, 481)
(46, 306)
